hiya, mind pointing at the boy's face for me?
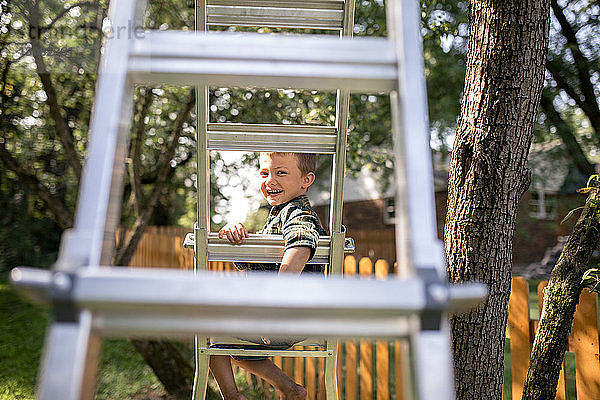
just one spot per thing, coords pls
(282, 179)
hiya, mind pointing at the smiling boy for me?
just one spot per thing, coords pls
(285, 179)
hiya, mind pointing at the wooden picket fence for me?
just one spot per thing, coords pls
(374, 369)
(583, 343)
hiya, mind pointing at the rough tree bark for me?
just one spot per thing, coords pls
(170, 367)
(560, 298)
(488, 175)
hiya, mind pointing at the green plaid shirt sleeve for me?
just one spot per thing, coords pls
(301, 229)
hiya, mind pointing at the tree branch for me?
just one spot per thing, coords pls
(136, 150)
(3, 95)
(581, 64)
(64, 133)
(124, 254)
(564, 131)
(561, 297)
(61, 213)
(563, 84)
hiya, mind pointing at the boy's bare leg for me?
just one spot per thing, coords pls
(270, 372)
(220, 366)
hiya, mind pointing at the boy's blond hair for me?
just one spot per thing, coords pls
(307, 162)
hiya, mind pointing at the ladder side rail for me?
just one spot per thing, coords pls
(339, 159)
(337, 185)
(412, 141)
(91, 241)
(336, 259)
(202, 228)
(72, 349)
(70, 360)
(431, 357)
(416, 227)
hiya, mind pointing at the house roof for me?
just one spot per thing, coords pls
(367, 185)
(549, 163)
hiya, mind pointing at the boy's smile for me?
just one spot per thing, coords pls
(282, 179)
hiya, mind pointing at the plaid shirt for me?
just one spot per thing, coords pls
(299, 225)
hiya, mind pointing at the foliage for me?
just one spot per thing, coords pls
(28, 236)
(569, 105)
(591, 279)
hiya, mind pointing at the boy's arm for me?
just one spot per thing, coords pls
(294, 259)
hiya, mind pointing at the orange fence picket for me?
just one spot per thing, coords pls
(400, 370)
(358, 378)
(382, 347)
(365, 267)
(585, 347)
(311, 387)
(299, 368)
(518, 327)
(351, 386)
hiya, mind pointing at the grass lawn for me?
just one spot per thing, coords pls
(123, 374)
(21, 336)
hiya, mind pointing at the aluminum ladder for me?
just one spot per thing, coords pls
(333, 15)
(92, 300)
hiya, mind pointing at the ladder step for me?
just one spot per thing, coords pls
(154, 303)
(275, 14)
(267, 137)
(233, 341)
(232, 351)
(275, 61)
(261, 249)
(302, 4)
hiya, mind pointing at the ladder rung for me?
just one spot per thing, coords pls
(261, 249)
(314, 4)
(271, 353)
(293, 17)
(268, 137)
(233, 341)
(276, 61)
(150, 303)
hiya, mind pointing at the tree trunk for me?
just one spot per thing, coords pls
(561, 297)
(488, 176)
(169, 366)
